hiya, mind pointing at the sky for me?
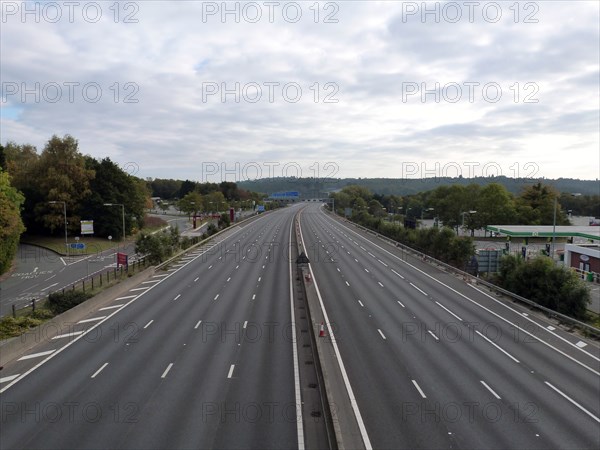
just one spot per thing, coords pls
(232, 91)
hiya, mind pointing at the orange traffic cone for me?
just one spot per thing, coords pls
(322, 332)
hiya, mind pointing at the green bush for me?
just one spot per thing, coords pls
(11, 327)
(539, 280)
(59, 302)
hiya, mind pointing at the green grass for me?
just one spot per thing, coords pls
(57, 245)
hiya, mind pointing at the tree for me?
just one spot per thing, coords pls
(2, 158)
(541, 281)
(190, 203)
(62, 176)
(494, 206)
(214, 202)
(159, 246)
(449, 202)
(536, 206)
(11, 225)
(186, 187)
(22, 165)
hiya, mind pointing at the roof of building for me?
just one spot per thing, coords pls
(587, 232)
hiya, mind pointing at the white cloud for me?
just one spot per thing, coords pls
(372, 55)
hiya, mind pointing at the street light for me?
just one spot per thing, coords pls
(122, 211)
(53, 202)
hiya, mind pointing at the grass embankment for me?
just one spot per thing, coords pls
(57, 245)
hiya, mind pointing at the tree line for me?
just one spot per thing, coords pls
(473, 206)
(61, 176)
(439, 242)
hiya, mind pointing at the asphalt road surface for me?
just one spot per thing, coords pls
(199, 356)
(436, 363)
(40, 271)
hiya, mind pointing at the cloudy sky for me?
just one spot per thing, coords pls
(212, 91)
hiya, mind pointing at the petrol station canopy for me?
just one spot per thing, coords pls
(522, 231)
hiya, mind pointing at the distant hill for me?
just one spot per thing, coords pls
(319, 187)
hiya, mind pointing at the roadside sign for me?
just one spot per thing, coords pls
(77, 246)
(87, 227)
(121, 259)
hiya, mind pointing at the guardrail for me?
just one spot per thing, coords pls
(475, 280)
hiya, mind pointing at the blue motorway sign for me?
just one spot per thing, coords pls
(288, 194)
(78, 246)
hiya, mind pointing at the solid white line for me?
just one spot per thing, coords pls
(138, 289)
(497, 346)
(400, 303)
(49, 286)
(127, 297)
(231, 371)
(355, 409)
(36, 355)
(196, 279)
(151, 281)
(448, 311)
(531, 334)
(489, 310)
(347, 284)
(74, 333)
(381, 333)
(166, 370)
(148, 324)
(99, 370)
(110, 307)
(89, 330)
(574, 402)
(361, 304)
(216, 296)
(93, 319)
(421, 291)
(245, 324)
(178, 295)
(160, 275)
(63, 261)
(490, 389)
(197, 325)
(419, 389)
(9, 378)
(397, 274)
(434, 336)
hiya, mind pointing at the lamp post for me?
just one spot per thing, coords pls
(553, 230)
(54, 202)
(122, 211)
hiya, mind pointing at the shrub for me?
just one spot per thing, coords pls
(59, 302)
